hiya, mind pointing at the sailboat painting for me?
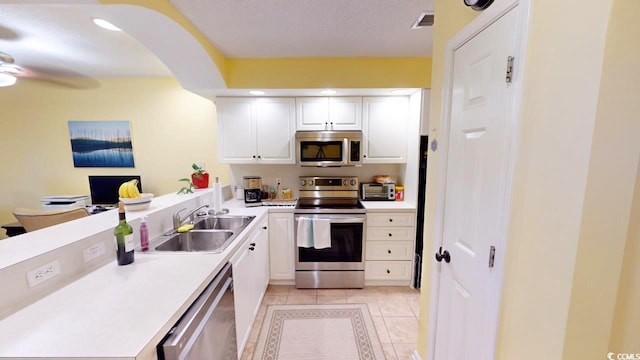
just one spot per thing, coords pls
(101, 143)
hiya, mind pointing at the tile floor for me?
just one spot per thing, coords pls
(394, 310)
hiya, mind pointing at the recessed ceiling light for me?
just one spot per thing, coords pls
(105, 24)
(7, 79)
(327, 92)
(256, 92)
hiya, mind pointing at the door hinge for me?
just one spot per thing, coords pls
(492, 256)
(509, 69)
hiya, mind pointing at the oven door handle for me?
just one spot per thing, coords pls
(359, 220)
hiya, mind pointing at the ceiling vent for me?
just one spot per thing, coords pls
(424, 20)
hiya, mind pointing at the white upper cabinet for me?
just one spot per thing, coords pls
(329, 113)
(385, 126)
(256, 130)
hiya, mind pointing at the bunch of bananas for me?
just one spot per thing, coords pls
(129, 189)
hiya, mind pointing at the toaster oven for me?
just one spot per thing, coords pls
(376, 191)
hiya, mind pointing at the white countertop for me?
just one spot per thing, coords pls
(388, 205)
(122, 312)
(118, 312)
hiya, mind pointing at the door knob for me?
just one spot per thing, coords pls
(443, 256)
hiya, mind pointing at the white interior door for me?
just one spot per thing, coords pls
(476, 189)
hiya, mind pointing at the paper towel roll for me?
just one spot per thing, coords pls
(217, 196)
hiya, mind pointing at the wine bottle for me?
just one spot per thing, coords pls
(123, 234)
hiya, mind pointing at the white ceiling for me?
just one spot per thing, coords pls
(311, 28)
(61, 39)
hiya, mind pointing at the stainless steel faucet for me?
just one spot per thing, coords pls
(177, 221)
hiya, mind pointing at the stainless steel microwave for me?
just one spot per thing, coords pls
(329, 148)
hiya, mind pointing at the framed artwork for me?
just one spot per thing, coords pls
(101, 143)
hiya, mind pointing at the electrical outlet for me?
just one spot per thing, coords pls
(43, 273)
(93, 252)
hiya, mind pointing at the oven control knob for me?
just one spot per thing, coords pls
(345, 182)
(353, 182)
(303, 182)
(310, 182)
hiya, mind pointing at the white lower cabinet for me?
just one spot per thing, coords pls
(250, 280)
(390, 246)
(281, 246)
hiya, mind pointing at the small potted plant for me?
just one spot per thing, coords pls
(199, 177)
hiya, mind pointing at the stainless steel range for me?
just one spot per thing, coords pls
(329, 207)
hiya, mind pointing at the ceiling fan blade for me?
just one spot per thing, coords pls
(59, 77)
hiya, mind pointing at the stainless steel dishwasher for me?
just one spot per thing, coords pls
(208, 329)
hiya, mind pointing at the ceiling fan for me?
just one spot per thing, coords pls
(10, 72)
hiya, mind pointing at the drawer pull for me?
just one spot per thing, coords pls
(388, 271)
(390, 235)
(389, 251)
(390, 220)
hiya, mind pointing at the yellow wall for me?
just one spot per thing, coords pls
(171, 129)
(452, 16)
(609, 231)
(626, 323)
(301, 73)
(576, 168)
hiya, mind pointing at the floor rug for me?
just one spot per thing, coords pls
(315, 332)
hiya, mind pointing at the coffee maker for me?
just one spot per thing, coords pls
(252, 190)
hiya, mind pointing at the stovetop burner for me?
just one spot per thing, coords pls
(331, 205)
(324, 194)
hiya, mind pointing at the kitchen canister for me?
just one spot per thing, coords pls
(399, 193)
(239, 192)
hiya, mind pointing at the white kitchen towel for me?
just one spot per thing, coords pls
(321, 233)
(305, 232)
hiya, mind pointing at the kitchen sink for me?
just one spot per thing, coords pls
(209, 234)
(224, 222)
(194, 240)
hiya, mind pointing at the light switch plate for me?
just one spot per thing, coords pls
(93, 252)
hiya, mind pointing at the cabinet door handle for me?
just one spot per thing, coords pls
(253, 244)
(259, 157)
(252, 248)
(254, 156)
(264, 228)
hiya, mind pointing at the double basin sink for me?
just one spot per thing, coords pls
(209, 234)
